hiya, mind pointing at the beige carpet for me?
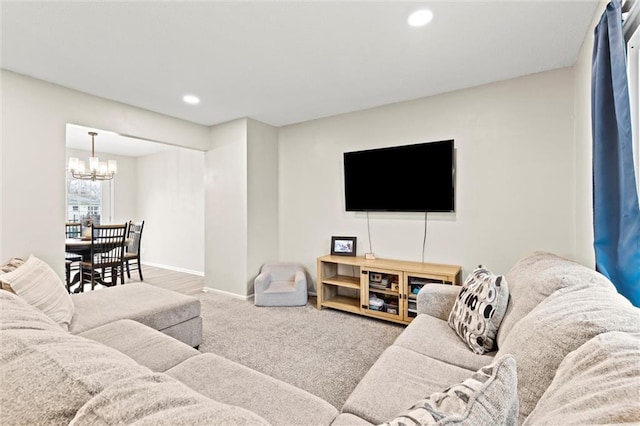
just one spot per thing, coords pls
(323, 352)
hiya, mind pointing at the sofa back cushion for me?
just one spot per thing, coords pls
(48, 374)
(598, 383)
(535, 277)
(559, 325)
(282, 271)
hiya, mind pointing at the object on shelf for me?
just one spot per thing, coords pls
(391, 308)
(378, 286)
(375, 303)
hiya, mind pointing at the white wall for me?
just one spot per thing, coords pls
(241, 204)
(262, 197)
(515, 176)
(226, 208)
(170, 200)
(584, 145)
(124, 184)
(522, 179)
(34, 116)
(167, 191)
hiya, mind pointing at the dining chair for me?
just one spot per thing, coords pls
(73, 229)
(107, 255)
(132, 253)
(71, 260)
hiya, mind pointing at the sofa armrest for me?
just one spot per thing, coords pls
(262, 281)
(437, 300)
(300, 279)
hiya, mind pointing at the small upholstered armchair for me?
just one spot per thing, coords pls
(281, 284)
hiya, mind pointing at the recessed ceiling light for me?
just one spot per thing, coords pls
(191, 99)
(420, 18)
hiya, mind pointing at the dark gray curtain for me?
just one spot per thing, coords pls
(615, 196)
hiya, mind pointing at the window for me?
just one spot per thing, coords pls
(87, 201)
(633, 61)
(631, 17)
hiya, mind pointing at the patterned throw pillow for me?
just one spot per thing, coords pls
(489, 397)
(9, 266)
(478, 311)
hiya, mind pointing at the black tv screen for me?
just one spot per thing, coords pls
(408, 178)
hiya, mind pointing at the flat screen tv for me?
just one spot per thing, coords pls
(408, 178)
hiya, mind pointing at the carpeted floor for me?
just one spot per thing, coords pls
(323, 352)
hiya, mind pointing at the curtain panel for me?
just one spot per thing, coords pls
(616, 210)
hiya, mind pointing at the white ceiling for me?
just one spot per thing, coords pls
(284, 62)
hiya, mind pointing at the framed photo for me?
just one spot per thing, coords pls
(343, 246)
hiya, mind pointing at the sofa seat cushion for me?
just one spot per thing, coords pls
(434, 338)
(188, 332)
(398, 379)
(281, 287)
(48, 374)
(538, 275)
(231, 383)
(157, 399)
(155, 307)
(598, 383)
(148, 347)
(559, 325)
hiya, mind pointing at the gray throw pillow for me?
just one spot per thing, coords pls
(490, 396)
(479, 308)
(9, 266)
(39, 285)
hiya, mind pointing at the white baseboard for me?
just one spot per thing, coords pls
(174, 268)
(227, 293)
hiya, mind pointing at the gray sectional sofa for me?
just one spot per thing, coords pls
(576, 343)
(110, 369)
(174, 314)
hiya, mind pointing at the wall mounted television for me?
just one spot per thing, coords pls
(407, 178)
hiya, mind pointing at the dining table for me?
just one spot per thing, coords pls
(82, 247)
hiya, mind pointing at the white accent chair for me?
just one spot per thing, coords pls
(281, 284)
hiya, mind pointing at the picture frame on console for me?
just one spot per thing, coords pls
(343, 246)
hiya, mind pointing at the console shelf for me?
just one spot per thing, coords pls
(344, 281)
(381, 288)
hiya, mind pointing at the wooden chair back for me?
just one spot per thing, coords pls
(73, 230)
(135, 237)
(107, 245)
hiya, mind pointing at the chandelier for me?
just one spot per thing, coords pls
(97, 170)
